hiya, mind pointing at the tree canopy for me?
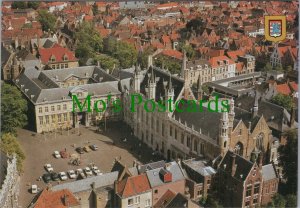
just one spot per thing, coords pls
(10, 145)
(283, 100)
(47, 20)
(13, 109)
(88, 42)
(107, 62)
(25, 5)
(167, 63)
(288, 160)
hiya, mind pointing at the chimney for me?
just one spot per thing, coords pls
(292, 118)
(66, 200)
(233, 165)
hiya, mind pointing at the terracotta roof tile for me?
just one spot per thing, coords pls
(283, 89)
(133, 185)
(58, 52)
(165, 199)
(173, 53)
(216, 60)
(294, 86)
(50, 199)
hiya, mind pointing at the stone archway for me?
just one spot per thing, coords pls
(239, 149)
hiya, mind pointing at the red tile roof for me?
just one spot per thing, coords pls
(133, 185)
(55, 199)
(294, 86)
(216, 60)
(58, 52)
(234, 54)
(283, 89)
(173, 53)
(167, 5)
(165, 199)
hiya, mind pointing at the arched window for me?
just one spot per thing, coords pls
(238, 149)
(260, 141)
(195, 146)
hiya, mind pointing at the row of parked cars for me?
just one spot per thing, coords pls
(85, 172)
(81, 150)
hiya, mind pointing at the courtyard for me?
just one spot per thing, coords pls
(112, 144)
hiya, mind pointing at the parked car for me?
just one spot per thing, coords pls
(47, 177)
(71, 174)
(48, 167)
(79, 150)
(94, 147)
(55, 176)
(87, 149)
(34, 189)
(96, 171)
(80, 172)
(88, 171)
(56, 154)
(63, 176)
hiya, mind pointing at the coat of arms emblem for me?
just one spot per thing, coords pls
(275, 28)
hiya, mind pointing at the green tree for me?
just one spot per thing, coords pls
(278, 201)
(278, 68)
(13, 109)
(288, 160)
(47, 20)
(19, 5)
(33, 4)
(167, 63)
(190, 52)
(267, 67)
(88, 42)
(291, 201)
(10, 145)
(95, 9)
(212, 202)
(289, 68)
(144, 56)
(283, 100)
(107, 62)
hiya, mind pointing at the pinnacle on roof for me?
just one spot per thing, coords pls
(152, 78)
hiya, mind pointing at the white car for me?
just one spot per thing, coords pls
(96, 170)
(34, 189)
(48, 167)
(57, 154)
(88, 171)
(80, 172)
(71, 174)
(63, 176)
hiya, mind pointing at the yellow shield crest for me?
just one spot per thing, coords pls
(275, 28)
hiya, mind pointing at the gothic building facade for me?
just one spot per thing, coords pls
(185, 134)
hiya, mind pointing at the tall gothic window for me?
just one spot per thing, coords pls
(238, 149)
(260, 141)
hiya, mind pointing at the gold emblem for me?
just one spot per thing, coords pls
(275, 28)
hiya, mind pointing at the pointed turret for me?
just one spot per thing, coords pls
(199, 88)
(170, 96)
(152, 85)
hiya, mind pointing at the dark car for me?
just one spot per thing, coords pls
(94, 147)
(79, 150)
(55, 176)
(47, 177)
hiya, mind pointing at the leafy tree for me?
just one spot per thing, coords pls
(267, 67)
(278, 68)
(278, 201)
(19, 5)
(167, 63)
(283, 100)
(291, 201)
(212, 202)
(95, 9)
(288, 159)
(123, 51)
(190, 52)
(47, 20)
(289, 68)
(107, 62)
(33, 4)
(10, 145)
(144, 56)
(89, 42)
(13, 109)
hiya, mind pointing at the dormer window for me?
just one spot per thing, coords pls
(65, 57)
(52, 58)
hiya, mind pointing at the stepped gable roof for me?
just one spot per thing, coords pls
(132, 186)
(243, 166)
(162, 76)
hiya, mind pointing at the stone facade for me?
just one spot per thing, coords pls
(9, 191)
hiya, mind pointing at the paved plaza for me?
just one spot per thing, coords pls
(39, 148)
